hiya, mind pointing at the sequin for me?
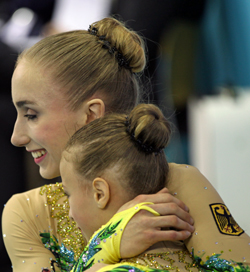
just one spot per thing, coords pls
(152, 260)
(205, 188)
(66, 228)
(4, 235)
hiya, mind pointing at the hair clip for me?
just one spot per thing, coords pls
(148, 149)
(92, 31)
(102, 38)
(122, 61)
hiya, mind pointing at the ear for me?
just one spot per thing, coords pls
(101, 192)
(95, 109)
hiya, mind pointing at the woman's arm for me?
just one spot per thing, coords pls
(215, 229)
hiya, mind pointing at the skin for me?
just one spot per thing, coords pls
(103, 196)
(45, 123)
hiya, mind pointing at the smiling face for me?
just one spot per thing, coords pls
(44, 121)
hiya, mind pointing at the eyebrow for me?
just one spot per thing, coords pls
(22, 103)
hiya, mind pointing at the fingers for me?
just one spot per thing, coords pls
(168, 235)
(172, 208)
(168, 221)
(171, 221)
(160, 197)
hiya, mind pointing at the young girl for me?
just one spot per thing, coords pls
(59, 85)
(106, 164)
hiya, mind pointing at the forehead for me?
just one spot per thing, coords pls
(70, 178)
(31, 83)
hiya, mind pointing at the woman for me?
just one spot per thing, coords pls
(103, 170)
(59, 85)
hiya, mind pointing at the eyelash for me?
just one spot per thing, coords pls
(30, 116)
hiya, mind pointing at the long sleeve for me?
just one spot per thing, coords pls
(24, 217)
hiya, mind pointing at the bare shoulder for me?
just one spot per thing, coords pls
(215, 229)
(183, 175)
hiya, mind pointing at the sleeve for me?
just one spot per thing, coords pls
(24, 217)
(216, 232)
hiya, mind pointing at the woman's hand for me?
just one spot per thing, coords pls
(145, 229)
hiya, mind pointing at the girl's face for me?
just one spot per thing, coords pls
(44, 122)
(83, 208)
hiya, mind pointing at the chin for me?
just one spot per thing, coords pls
(46, 174)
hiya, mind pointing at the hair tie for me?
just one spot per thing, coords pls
(143, 147)
(122, 61)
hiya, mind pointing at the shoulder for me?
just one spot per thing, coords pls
(33, 199)
(20, 202)
(183, 171)
(27, 209)
(188, 184)
(183, 175)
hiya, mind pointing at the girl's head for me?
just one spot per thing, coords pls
(69, 79)
(113, 159)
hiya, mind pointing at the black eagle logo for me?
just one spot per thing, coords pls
(224, 220)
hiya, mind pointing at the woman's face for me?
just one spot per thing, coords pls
(44, 122)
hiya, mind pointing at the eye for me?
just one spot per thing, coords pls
(30, 116)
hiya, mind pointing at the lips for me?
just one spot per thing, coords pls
(39, 155)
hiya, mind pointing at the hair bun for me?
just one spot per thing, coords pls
(149, 126)
(128, 42)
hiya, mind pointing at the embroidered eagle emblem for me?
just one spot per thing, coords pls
(224, 220)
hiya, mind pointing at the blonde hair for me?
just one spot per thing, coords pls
(135, 144)
(77, 61)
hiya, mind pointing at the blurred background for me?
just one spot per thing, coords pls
(198, 74)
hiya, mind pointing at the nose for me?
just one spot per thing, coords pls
(19, 137)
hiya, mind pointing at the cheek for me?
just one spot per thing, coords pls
(53, 136)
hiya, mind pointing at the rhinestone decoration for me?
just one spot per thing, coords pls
(71, 236)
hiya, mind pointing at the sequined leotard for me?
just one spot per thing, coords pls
(45, 209)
